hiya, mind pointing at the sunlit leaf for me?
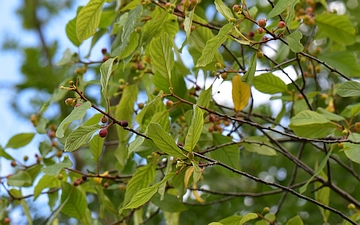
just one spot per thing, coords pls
(56, 168)
(240, 93)
(212, 46)
(257, 144)
(80, 137)
(142, 178)
(145, 194)
(269, 83)
(163, 140)
(344, 62)
(21, 178)
(106, 70)
(205, 97)
(337, 27)
(46, 181)
(294, 41)
(66, 58)
(249, 75)
(247, 217)
(195, 128)
(76, 205)
(88, 19)
(162, 55)
(96, 146)
(20, 140)
(349, 89)
(280, 7)
(296, 220)
(223, 9)
(76, 114)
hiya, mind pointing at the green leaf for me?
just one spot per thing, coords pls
(247, 217)
(26, 211)
(329, 115)
(96, 147)
(106, 70)
(311, 124)
(322, 194)
(197, 171)
(146, 114)
(195, 128)
(205, 97)
(76, 114)
(337, 27)
(223, 9)
(125, 109)
(21, 178)
(145, 194)
(88, 19)
(249, 75)
(294, 41)
(135, 144)
(189, 15)
(280, 7)
(258, 145)
(162, 56)
(79, 137)
(170, 203)
(308, 117)
(269, 83)
(229, 154)
(71, 32)
(66, 58)
(317, 171)
(128, 29)
(4, 154)
(212, 46)
(20, 140)
(55, 214)
(296, 220)
(163, 140)
(75, 205)
(55, 169)
(352, 150)
(142, 178)
(231, 220)
(46, 181)
(344, 62)
(349, 89)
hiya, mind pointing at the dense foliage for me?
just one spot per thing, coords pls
(149, 134)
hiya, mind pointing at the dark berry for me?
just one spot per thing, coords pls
(103, 133)
(124, 123)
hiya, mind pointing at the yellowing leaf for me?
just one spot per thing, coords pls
(240, 93)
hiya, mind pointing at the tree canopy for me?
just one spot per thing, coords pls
(147, 131)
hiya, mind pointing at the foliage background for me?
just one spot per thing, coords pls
(216, 212)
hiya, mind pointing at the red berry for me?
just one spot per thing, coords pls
(6, 220)
(106, 185)
(260, 30)
(13, 163)
(262, 23)
(236, 8)
(169, 103)
(211, 118)
(281, 24)
(104, 51)
(103, 133)
(124, 123)
(77, 182)
(197, 88)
